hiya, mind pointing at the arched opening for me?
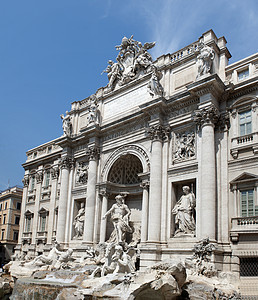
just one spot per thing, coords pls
(125, 170)
(123, 177)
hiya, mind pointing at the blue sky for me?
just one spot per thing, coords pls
(53, 52)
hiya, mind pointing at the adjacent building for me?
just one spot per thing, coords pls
(10, 212)
(187, 119)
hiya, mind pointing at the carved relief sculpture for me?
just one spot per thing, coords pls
(184, 211)
(81, 173)
(154, 87)
(184, 145)
(204, 59)
(120, 214)
(79, 222)
(67, 125)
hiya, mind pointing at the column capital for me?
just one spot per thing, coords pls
(54, 171)
(25, 180)
(223, 122)
(158, 132)
(39, 176)
(66, 162)
(145, 185)
(93, 153)
(206, 116)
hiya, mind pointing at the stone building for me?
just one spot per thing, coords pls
(187, 119)
(10, 211)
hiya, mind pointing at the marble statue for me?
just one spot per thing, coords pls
(63, 259)
(154, 87)
(204, 59)
(79, 222)
(42, 260)
(117, 260)
(93, 110)
(120, 214)
(113, 72)
(67, 125)
(183, 211)
(81, 173)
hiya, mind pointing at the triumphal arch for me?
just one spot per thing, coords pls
(161, 158)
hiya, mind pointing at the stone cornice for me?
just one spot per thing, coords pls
(211, 84)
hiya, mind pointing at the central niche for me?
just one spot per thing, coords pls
(125, 170)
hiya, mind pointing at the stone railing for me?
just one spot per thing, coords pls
(183, 53)
(242, 223)
(245, 139)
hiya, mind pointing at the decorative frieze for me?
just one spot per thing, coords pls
(205, 116)
(184, 145)
(81, 176)
(93, 153)
(158, 132)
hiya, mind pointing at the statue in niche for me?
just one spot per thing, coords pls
(93, 110)
(185, 145)
(184, 213)
(120, 214)
(79, 222)
(154, 87)
(81, 173)
(204, 59)
(67, 125)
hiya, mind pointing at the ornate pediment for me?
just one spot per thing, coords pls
(244, 177)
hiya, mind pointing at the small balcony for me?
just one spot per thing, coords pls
(244, 142)
(26, 237)
(243, 225)
(41, 237)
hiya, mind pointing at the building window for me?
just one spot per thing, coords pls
(32, 183)
(2, 234)
(1, 206)
(17, 220)
(245, 122)
(5, 207)
(15, 235)
(4, 220)
(27, 224)
(248, 207)
(243, 74)
(0, 219)
(249, 266)
(18, 205)
(47, 178)
(43, 223)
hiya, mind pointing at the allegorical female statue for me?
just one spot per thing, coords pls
(79, 222)
(184, 213)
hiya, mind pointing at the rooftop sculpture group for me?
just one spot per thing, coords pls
(132, 60)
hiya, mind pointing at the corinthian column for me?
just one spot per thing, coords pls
(91, 195)
(66, 164)
(205, 119)
(145, 206)
(103, 223)
(157, 133)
